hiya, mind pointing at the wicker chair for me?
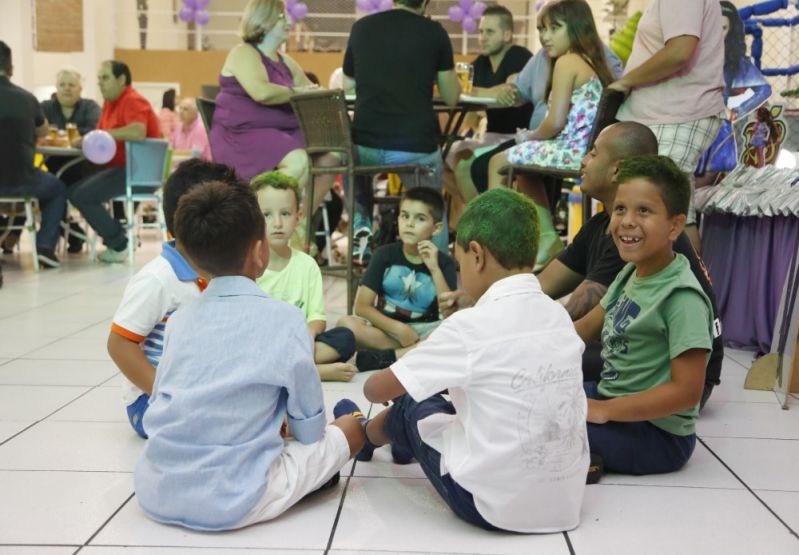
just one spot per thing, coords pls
(608, 105)
(325, 122)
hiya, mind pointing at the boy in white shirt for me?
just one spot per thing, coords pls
(509, 449)
(294, 277)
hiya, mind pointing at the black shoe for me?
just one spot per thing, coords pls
(400, 455)
(374, 359)
(595, 470)
(75, 243)
(47, 258)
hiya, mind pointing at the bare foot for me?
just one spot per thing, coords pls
(336, 371)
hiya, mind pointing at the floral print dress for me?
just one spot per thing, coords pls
(567, 149)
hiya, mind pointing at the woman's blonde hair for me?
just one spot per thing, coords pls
(258, 18)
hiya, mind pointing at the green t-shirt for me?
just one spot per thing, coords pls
(648, 322)
(299, 284)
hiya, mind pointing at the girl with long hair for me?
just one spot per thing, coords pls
(578, 75)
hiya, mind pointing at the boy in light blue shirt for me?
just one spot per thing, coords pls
(236, 365)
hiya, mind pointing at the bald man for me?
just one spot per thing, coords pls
(189, 136)
(590, 263)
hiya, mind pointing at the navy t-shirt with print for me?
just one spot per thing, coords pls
(405, 291)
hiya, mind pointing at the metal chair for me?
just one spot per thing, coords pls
(608, 105)
(325, 122)
(206, 107)
(9, 209)
(146, 167)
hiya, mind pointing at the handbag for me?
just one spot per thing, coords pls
(722, 156)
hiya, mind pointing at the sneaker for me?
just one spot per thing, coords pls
(361, 236)
(345, 407)
(596, 469)
(47, 258)
(110, 256)
(374, 359)
(401, 455)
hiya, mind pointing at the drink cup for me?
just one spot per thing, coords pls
(72, 132)
(465, 73)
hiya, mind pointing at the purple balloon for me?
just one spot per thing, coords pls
(201, 17)
(186, 14)
(191, 4)
(456, 13)
(469, 24)
(364, 5)
(477, 9)
(99, 146)
(466, 4)
(385, 5)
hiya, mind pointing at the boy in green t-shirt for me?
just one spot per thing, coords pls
(294, 277)
(656, 326)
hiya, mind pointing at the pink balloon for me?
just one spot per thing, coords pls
(201, 17)
(456, 13)
(99, 146)
(186, 14)
(469, 24)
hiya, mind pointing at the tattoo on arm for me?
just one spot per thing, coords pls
(584, 298)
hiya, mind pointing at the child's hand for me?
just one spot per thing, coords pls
(429, 253)
(450, 302)
(596, 412)
(405, 335)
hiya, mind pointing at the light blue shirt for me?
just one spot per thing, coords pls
(532, 81)
(235, 363)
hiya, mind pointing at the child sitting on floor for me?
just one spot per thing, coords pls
(216, 458)
(656, 329)
(509, 450)
(396, 303)
(294, 277)
(153, 294)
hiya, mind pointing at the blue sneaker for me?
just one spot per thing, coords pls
(345, 407)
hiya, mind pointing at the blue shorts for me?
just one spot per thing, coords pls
(636, 447)
(401, 425)
(341, 340)
(136, 412)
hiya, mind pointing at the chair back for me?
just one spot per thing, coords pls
(609, 103)
(206, 107)
(146, 163)
(324, 121)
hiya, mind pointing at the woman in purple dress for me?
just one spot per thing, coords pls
(254, 128)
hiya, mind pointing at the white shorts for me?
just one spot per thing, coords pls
(299, 470)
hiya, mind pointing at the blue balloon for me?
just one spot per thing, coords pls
(99, 146)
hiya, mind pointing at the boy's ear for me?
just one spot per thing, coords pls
(260, 253)
(677, 226)
(479, 253)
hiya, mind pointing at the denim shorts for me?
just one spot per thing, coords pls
(341, 340)
(401, 425)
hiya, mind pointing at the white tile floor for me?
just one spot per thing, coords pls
(66, 455)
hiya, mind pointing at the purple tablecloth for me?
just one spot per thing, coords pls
(748, 260)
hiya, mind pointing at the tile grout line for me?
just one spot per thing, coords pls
(340, 507)
(103, 525)
(756, 496)
(569, 543)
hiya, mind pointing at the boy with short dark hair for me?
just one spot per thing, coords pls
(656, 329)
(294, 277)
(396, 303)
(509, 449)
(154, 293)
(216, 458)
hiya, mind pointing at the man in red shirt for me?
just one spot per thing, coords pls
(127, 116)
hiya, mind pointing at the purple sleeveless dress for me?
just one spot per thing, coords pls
(250, 137)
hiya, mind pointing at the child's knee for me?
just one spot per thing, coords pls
(350, 322)
(353, 431)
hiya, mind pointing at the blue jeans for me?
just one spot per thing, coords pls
(364, 194)
(636, 447)
(136, 412)
(51, 194)
(88, 196)
(401, 425)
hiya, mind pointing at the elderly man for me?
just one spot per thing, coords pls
(499, 62)
(127, 116)
(21, 121)
(392, 61)
(189, 136)
(67, 106)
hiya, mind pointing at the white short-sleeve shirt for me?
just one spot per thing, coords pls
(518, 441)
